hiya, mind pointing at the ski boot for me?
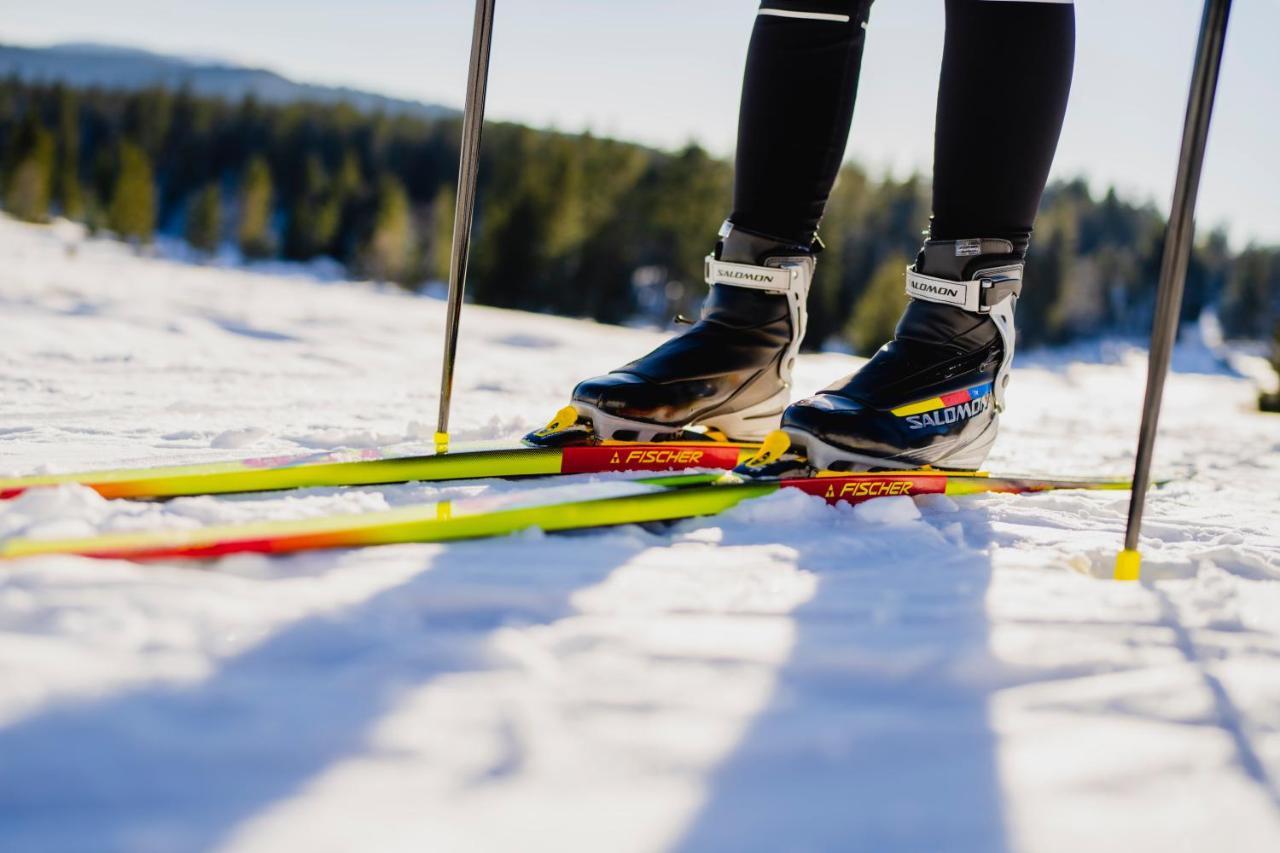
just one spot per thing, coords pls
(931, 396)
(729, 376)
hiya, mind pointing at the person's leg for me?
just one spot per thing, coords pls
(732, 370)
(932, 395)
(1006, 75)
(797, 105)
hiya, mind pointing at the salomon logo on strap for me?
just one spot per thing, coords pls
(744, 275)
(748, 275)
(937, 289)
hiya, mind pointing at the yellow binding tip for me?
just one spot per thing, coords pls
(716, 435)
(442, 442)
(565, 418)
(771, 449)
(1128, 565)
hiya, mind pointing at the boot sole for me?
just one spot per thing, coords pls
(829, 457)
(751, 424)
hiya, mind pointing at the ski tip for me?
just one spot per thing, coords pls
(1128, 565)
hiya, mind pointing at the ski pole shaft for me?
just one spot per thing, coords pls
(464, 209)
(1173, 265)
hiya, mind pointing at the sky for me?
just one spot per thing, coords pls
(667, 72)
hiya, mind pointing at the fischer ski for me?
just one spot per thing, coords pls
(555, 508)
(681, 451)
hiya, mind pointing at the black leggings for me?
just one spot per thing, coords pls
(1006, 74)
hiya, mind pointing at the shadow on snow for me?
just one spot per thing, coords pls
(877, 735)
(181, 767)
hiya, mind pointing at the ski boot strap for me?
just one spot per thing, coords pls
(787, 271)
(977, 296)
(779, 280)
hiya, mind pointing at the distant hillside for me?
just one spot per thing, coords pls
(127, 68)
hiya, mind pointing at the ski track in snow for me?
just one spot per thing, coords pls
(938, 675)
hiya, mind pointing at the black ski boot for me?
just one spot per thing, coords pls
(729, 374)
(932, 395)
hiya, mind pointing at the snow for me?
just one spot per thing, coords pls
(943, 674)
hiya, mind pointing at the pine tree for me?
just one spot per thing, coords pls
(1048, 277)
(839, 276)
(316, 215)
(349, 181)
(66, 187)
(132, 213)
(255, 210)
(611, 249)
(512, 260)
(388, 252)
(441, 241)
(101, 179)
(30, 172)
(352, 196)
(204, 218)
(1252, 298)
(876, 314)
(685, 206)
(608, 260)
(1270, 402)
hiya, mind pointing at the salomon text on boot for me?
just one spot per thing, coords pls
(730, 373)
(932, 395)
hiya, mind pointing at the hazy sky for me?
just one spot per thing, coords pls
(668, 71)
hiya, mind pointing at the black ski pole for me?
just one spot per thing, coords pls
(464, 209)
(1173, 265)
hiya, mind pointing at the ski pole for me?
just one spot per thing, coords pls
(1173, 265)
(464, 208)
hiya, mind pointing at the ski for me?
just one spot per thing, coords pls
(687, 450)
(554, 508)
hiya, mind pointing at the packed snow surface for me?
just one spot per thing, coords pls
(937, 675)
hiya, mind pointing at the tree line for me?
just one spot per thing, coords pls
(570, 224)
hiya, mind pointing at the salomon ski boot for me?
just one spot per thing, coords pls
(728, 375)
(932, 395)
